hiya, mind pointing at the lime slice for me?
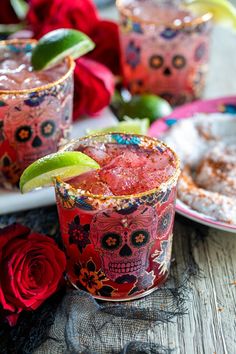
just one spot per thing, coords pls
(58, 44)
(146, 106)
(65, 164)
(20, 8)
(10, 29)
(222, 10)
(135, 126)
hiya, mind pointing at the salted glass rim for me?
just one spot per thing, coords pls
(121, 6)
(171, 180)
(69, 61)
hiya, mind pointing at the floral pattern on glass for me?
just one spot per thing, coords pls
(92, 279)
(78, 234)
(162, 257)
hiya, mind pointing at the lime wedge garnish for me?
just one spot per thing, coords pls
(135, 126)
(58, 44)
(20, 8)
(222, 10)
(65, 164)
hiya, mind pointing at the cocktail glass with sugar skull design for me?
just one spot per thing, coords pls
(116, 222)
(35, 109)
(165, 49)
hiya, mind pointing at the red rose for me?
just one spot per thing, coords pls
(93, 82)
(31, 267)
(107, 50)
(94, 85)
(7, 14)
(47, 15)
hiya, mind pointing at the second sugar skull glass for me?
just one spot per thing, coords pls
(35, 109)
(119, 246)
(164, 48)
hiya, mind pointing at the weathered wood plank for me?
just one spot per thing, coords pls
(209, 327)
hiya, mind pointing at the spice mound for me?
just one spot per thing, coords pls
(208, 180)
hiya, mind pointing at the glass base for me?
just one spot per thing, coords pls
(130, 298)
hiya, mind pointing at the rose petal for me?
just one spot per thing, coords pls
(6, 278)
(107, 50)
(94, 86)
(47, 15)
(7, 14)
(12, 231)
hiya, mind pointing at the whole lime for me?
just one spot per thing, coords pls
(146, 106)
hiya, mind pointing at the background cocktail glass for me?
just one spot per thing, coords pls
(165, 49)
(118, 247)
(35, 118)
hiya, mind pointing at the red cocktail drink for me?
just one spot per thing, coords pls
(116, 222)
(165, 48)
(35, 108)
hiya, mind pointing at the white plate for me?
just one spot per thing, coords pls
(162, 126)
(184, 210)
(12, 201)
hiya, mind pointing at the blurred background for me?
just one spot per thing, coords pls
(222, 57)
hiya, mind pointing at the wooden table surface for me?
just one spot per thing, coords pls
(209, 327)
(210, 322)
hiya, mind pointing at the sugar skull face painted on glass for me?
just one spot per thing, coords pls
(124, 241)
(165, 49)
(116, 222)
